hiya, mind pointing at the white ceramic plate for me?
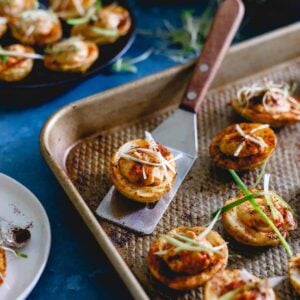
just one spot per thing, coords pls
(20, 206)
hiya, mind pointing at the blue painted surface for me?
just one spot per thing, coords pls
(77, 267)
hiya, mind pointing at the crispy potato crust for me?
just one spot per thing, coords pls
(13, 8)
(2, 265)
(182, 281)
(246, 226)
(294, 272)
(255, 113)
(35, 36)
(57, 62)
(224, 144)
(229, 280)
(128, 179)
(66, 9)
(110, 17)
(16, 68)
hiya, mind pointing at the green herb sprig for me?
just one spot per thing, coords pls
(246, 192)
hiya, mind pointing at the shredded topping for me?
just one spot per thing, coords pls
(3, 21)
(255, 139)
(78, 6)
(155, 152)
(276, 97)
(20, 54)
(199, 244)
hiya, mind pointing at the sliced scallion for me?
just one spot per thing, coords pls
(245, 190)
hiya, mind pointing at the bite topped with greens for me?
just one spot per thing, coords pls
(270, 103)
(187, 257)
(243, 146)
(236, 284)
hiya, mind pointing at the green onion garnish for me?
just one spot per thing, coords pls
(128, 64)
(237, 202)
(245, 190)
(83, 20)
(104, 31)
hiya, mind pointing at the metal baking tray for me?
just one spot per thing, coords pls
(78, 141)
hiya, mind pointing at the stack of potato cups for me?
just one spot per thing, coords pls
(92, 26)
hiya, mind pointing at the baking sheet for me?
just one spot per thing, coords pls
(82, 170)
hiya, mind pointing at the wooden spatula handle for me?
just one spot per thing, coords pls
(223, 29)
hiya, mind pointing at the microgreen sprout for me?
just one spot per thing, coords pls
(128, 64)
(15, 252)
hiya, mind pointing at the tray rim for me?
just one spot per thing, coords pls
(126, 274)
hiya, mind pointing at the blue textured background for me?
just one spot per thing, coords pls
(77, 267)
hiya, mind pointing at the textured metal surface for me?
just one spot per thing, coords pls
(204, 189)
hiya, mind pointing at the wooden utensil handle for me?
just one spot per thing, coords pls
(223, 29)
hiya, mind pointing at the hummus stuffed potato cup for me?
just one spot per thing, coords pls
(15, 68)
(106, 26)
(269, 103)
(241, 284)
(71, 8)
(36, 27)
(71, 55)
(243, 146)
(13, 8)
(294, 272)
(247, 226)
(143, 171)
(187, 269)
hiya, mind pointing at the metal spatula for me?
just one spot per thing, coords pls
(179, 131)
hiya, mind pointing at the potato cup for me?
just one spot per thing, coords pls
(71, 55)
(247, 226)
(268, 103)
(71, 8)
(106, 26)
(142, 170)
(185, 269)
(2, 265)
(243, 146)
(294, 272)
(36, 27)
(240, 283)
(15, 68)
(13, 8)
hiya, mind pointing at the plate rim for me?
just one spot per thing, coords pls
(28, 289)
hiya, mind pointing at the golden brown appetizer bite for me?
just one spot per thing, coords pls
(3, 26)
(235, 284)
(71, 8)
(2, 265)
(16, 62)
(269, 102)
(243, 146)
(294, 272)
(246, 225)
(36, 27)
(12, 8)
(105, 26)
(143, 170)
(71, 55)
(186, 258)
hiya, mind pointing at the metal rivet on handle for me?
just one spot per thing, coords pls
(192, 95)
(203, 68)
